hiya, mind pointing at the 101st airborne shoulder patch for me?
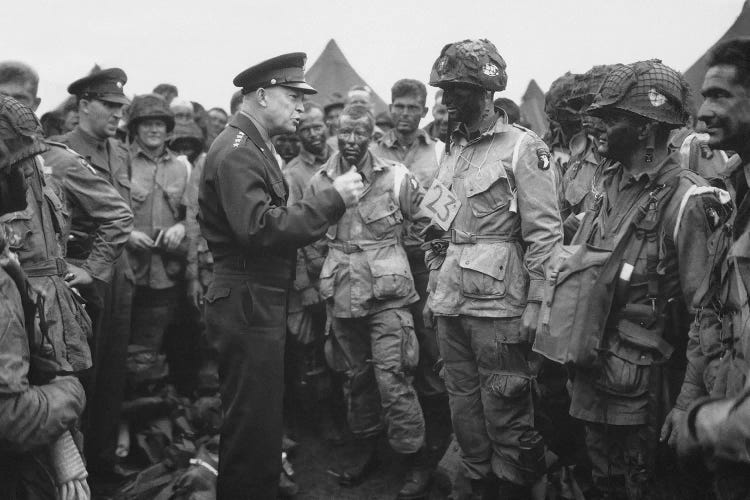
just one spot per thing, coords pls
(542, 159)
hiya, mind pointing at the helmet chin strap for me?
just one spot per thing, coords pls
(650, 145)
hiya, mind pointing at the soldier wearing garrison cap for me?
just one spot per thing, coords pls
(494, 208)
(253, 235)
(101, 99)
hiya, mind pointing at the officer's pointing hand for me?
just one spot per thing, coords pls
(349, 186)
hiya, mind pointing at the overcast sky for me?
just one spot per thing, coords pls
(201, 45)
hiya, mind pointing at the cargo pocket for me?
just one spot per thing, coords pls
(509, 385)
(380, 214)
(391, 276)
(488, 190)
(327, 279)
(409, 346)
(483, 271)
(215, 293)
(19, 230)
(625, 370)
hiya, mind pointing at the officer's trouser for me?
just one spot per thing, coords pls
(381, 351)
(490, 374)
(27, 477)
(106, 388)
(246, 324)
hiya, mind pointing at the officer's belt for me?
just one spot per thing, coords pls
(49, 267)
(263, 268)
(464, 238)
(362, 245)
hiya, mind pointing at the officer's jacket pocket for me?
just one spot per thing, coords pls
(488, 190)
(380, 214)
(483, 271)
(391, 276)
(215, 293)
(328, 278)
(509, 385)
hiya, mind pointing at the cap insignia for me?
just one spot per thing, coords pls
(119, 85)
(656, 98)
(273, 81)
(490, 69)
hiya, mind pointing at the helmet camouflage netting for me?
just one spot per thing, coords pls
(646, 88)
(21, 134)
(470, 62)
(556, 98)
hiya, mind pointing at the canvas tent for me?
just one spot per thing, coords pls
(532, 109)
(694, 75)
(331, 73)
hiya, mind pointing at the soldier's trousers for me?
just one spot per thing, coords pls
(381, 352)
(246, 324)
(490, 374)
(427, 379)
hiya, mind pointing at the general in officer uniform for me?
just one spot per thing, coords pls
(253, 236)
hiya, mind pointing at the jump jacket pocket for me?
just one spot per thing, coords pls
(483, 271)
(381, 214)
(327, 278)
(488, 190)
(391, 276)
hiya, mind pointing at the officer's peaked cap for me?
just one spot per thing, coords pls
(104, 85)
(287, 70)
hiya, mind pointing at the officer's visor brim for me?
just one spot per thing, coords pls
(114, 98)
(302, 86)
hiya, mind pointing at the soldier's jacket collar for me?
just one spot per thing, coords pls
(368, 166)
(390, 140)
(649, 173)
(310, 159)
(497, 127)
(136, 149)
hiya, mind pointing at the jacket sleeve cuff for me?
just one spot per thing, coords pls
(536, 290)
(102, 273)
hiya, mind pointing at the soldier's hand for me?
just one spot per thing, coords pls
(529, 320)
(195, 293)
(427, 316)
(670, 429)
(140, 241)
(174, 236)
(349, 186)
(77, 276)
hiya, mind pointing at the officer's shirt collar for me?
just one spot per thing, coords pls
(261, 130)
(94, 142)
